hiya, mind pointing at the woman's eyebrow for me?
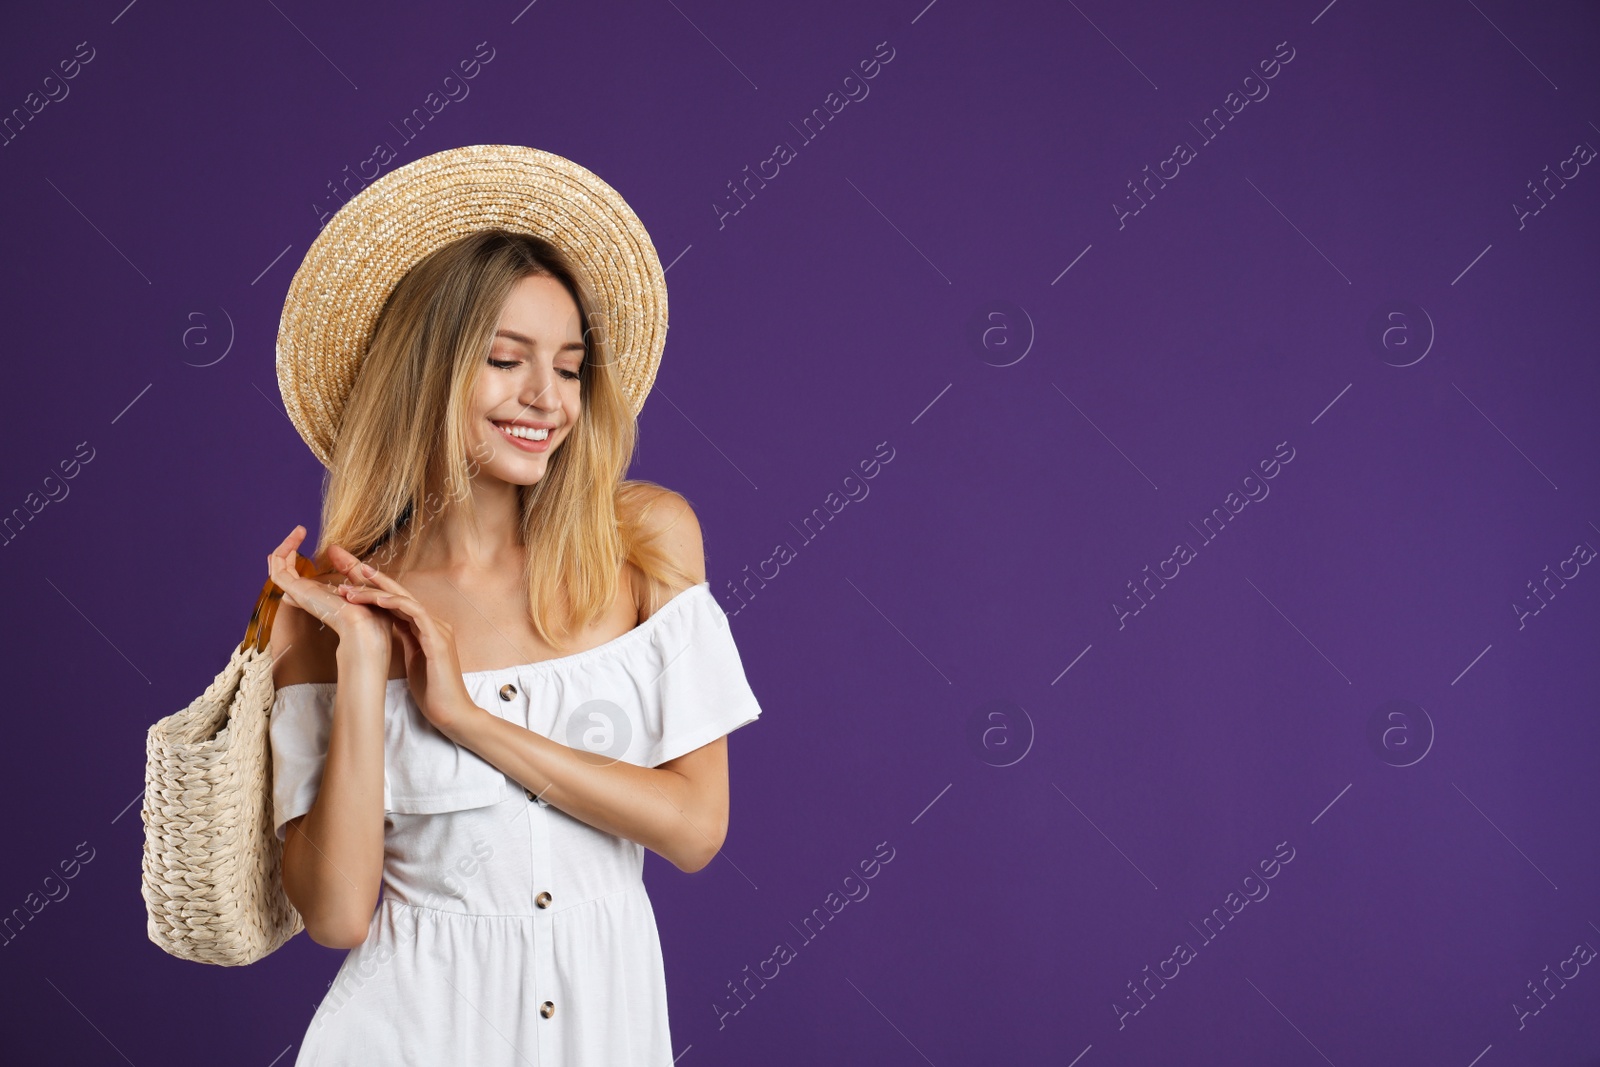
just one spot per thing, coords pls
(511, 335)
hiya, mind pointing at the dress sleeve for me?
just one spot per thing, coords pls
(701, 689)
(424, 772)
(301, 718)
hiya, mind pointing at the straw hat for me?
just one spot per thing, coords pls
(386, 229)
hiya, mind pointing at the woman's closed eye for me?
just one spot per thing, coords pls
(507, 364)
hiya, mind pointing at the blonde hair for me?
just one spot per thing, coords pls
(402, 439)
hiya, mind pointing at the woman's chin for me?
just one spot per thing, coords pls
(515, 466)
(518, 470)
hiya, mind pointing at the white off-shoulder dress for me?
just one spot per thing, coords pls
(509, 932)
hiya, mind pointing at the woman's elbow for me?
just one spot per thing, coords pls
(336, 924)
(334, 935)
(697, 854)
(327, 927)
(694, 864)
(346, 941)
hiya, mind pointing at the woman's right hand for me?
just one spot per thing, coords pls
(357, 625)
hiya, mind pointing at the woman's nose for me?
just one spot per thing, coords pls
(539, 389)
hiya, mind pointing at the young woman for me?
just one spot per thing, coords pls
(512, 679)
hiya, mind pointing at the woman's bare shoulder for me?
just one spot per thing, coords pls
(667, 523)
(303, 649)
(666, 518)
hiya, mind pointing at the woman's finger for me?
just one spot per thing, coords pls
(397, 602)
(283, 555)
(367, 572)
(287, 546)
(347, 563)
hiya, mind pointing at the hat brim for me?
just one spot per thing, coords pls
(334, 299)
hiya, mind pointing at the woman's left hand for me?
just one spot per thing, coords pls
(432, 669)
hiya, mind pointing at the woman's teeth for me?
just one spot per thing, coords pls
(524, 432)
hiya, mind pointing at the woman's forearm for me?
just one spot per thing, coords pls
(333, 861)
(656, 807)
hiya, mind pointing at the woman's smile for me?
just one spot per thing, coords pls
(530, 437)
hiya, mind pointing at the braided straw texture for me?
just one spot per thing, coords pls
(212, 880)
(336, 295)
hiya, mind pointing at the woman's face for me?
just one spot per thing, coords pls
(529, 384)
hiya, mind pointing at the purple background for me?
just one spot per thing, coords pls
(155, 215)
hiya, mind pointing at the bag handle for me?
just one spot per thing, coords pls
(260, 628)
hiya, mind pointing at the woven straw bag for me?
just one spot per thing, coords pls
(213, 876)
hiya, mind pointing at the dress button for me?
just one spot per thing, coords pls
(542, 900)
(507, 691)
(547, 1009)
